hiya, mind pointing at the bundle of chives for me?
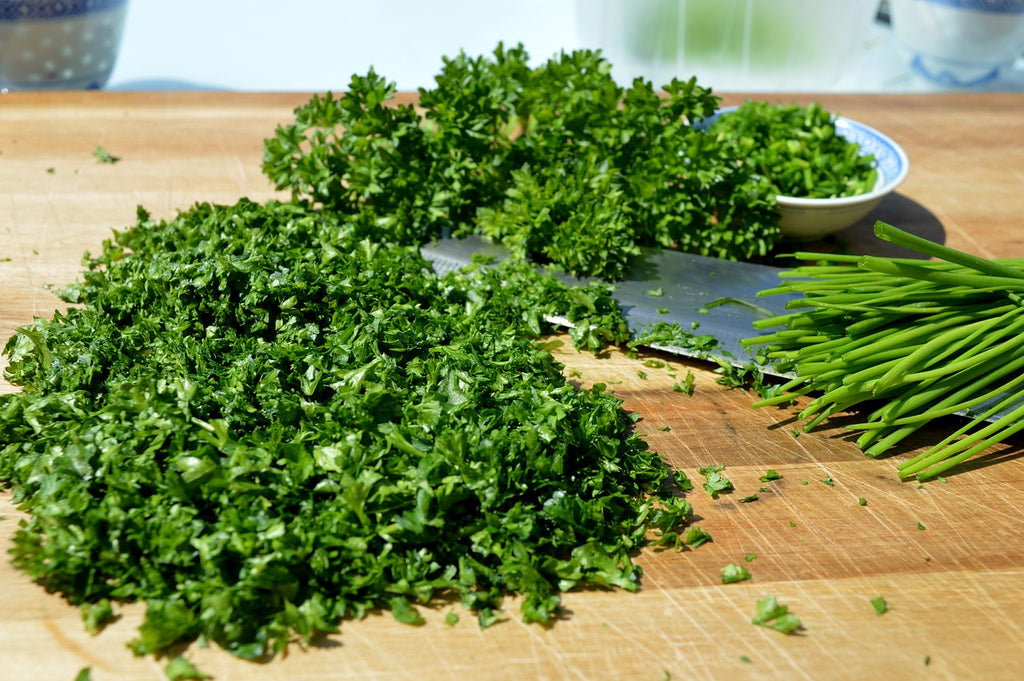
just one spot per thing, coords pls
(914, 339)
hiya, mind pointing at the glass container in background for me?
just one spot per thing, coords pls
(739, 45)
(59, 44)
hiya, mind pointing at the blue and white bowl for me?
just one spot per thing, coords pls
(59, 44)
(960, 43)
(804, 219)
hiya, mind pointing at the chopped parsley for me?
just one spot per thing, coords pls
(180, 669)
(260, 422)
(715, 482)
(732, 573)
(686, 385)
(772, 614)
(104, 156)
(694, 536)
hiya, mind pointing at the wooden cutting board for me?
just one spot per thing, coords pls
(948, 557)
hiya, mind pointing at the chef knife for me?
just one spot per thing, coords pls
(705, 296)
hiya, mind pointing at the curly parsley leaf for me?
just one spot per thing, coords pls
(557, 162)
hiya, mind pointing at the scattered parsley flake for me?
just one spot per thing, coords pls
(829, 481)
(772, 614)
(749, 498)
(695, 536)
(879, 604)
(103, 156)
(750, 557)
(769, 475)
(715, 481)
(732, 573)
(920, 526)
(686, 385)
(862, 501)
(656, 292)
(180, 669)
(682, 481)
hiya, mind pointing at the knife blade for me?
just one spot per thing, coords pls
(709, 295)
(703, 294)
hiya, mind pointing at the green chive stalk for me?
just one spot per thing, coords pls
(908, 341)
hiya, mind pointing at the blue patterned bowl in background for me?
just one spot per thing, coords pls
(959, 43)
(59, 44)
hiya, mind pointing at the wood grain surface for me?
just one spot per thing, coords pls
(947, 556)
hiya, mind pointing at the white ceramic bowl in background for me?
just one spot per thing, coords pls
(59, 44)
(804, 219)
(959, 43)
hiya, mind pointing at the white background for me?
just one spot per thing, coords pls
(316, 45)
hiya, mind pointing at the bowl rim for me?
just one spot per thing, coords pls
(876, 193)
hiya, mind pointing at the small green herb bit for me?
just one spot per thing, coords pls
(695, 536)
(769, 475)
(180, 669)
(879, 604)
(681, 479)
(103, 156)
(715, 481)
(732, 573)
(771, 614)
(84, 674)
(97, 615)
(686, 385)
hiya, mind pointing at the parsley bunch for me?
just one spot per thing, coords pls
(260, 422)
(557, 162)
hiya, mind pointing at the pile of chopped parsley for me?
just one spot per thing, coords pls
(260, 423)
